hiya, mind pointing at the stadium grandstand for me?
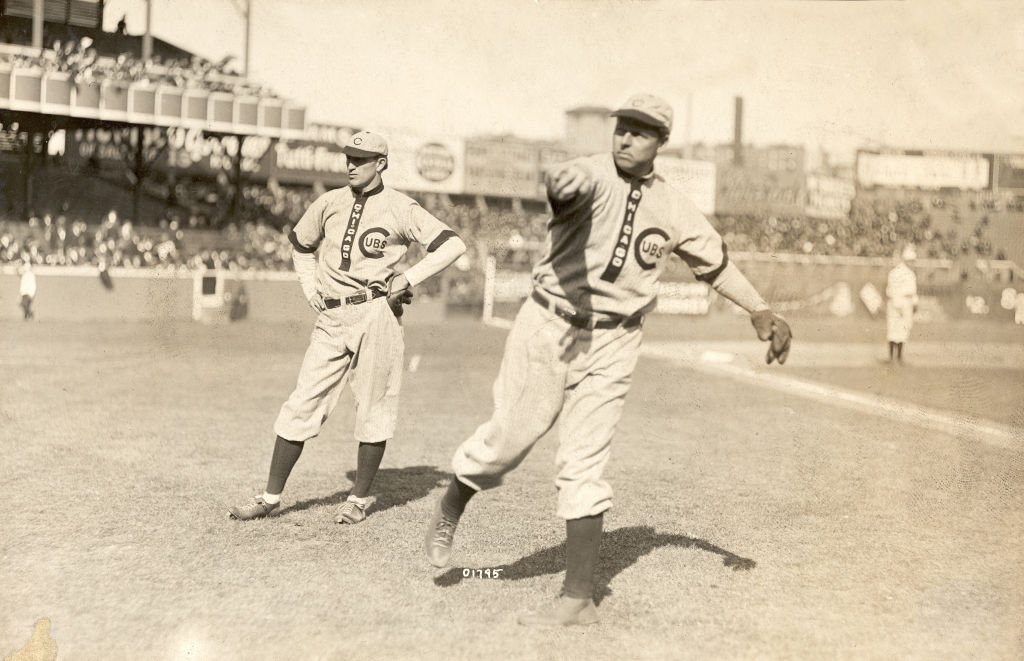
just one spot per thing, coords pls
(131, 152)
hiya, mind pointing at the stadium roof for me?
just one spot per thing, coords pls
(588, 110)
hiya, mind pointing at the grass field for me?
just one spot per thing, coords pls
(749, 523)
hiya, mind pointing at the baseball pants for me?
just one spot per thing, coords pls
(362, 344)
(553, 370)
(899, 319)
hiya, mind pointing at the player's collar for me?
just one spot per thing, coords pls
(367, 193)
(629, 177)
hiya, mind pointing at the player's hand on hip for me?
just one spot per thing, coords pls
(317, 302)
(399, 294)
(568, 181)
(775, 330)
(398, 284)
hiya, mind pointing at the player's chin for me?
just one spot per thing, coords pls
(624, 161)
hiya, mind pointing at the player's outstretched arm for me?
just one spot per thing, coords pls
(566, 181)
(770, 327)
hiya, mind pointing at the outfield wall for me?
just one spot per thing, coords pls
(77, 293)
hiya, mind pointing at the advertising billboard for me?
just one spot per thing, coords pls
(828, 197)
(924, 170)
(425, 164)
(503, 167)
(1010, 173)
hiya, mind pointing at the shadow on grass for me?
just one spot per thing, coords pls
(392, 487)
(620, 549)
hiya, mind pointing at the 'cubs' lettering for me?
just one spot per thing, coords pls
(614, 267)
(648, 247)
(373, 241)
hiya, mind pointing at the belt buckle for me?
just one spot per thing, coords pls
(582, 321)
(355, 299)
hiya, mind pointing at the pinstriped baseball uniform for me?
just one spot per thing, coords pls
(360, 238)
(605, 253)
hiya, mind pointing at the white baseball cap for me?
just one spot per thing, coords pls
(648, 109)
(365, 144)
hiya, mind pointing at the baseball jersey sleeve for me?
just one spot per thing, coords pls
(701, 246)
(423, 228)
(442, 243)
(305, 237)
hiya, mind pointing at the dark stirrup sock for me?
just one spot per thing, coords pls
(367, 462)
(286, 453)
(582, 549)
(453, 503)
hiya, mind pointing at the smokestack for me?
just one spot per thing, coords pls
(737, 133)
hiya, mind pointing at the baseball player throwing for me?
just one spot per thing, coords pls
(345, 248)
(575, 342)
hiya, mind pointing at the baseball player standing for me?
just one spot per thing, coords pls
(901, 302)
(575, 342)
(345, 248)
(27, 289)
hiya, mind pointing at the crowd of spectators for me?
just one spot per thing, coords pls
(114, 242)
(874, 227)
(81, 60)
(256, 237)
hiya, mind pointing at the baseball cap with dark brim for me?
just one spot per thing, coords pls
(647, 109)
(365, 144)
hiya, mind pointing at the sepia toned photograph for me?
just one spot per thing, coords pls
(511, 329)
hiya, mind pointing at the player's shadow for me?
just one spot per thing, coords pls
(620, 549)
(392, 487)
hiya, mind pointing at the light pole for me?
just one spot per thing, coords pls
(147, 36)
(244, 8)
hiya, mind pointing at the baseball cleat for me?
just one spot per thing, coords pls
(440, 537)
(353, 510)
(256, 509)
(564, 611)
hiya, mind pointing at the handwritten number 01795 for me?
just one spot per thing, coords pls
(482, 573)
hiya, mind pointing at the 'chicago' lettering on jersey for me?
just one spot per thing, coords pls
(621, 250)
(350, 232)
(649, 249)
(373, 241)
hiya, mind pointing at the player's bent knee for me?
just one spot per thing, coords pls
(585, 498)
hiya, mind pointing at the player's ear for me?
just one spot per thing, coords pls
(382, 163)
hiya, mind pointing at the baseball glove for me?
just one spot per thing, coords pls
(774, 329)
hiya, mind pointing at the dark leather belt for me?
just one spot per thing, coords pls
(354, 299)
(587, 321)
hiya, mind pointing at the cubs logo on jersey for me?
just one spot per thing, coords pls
(373, 242)
(650, 247)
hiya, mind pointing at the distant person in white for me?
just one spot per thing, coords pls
(28, 289)
(901, 292)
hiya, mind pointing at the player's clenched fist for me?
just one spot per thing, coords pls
(774, 329)
(567, 181)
